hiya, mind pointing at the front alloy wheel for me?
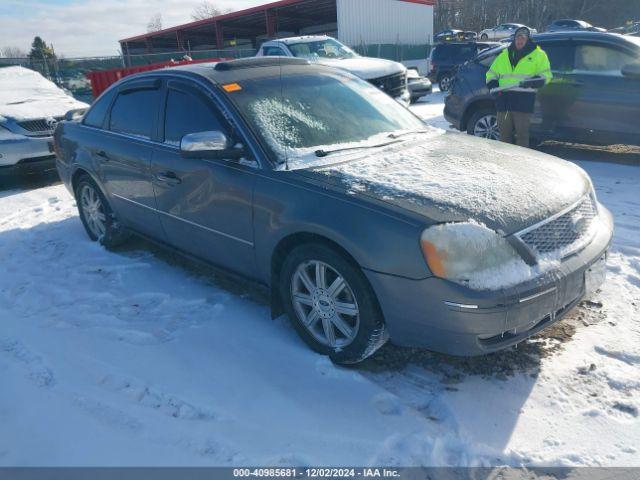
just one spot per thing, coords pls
(331, 303)
(325, 304)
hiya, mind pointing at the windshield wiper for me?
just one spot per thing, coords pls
(326, 153)
(404, 134)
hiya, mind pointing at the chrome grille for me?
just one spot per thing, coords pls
(394, 85)
(560, 233)
(42, 126)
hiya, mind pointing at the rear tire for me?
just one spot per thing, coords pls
(331, 304)
(484, 124)
(484, 37)
(445, 82)
(97, 216)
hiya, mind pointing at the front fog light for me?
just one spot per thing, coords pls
(473, 255)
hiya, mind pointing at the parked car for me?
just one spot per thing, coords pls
(455, 36)
(505, 30)
(352, 211)
(567, 25)
(630, 28)
(445, 59)
(594, 96)
(30, 107)
(419, 86)
(391, 77)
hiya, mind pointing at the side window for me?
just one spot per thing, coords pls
(560, 56)
(601, 60)
(96, 115)
(273, 52)
(188, 113)
(134, 112)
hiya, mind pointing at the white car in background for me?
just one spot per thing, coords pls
(503, 31)
(389, 76)
(30, 108)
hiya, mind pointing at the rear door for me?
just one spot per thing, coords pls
(605, 103)
(205, 205)
(124, 158)
(555, 102)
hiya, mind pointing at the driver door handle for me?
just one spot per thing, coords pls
(169, 178)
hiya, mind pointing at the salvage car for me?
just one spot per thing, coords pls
(445, 59)
(594, 97)
(30, 108)
(500, 32)
(568, 25)
(364, 223)
(389, 76)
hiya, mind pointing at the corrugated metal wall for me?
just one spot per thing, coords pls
(368, 22)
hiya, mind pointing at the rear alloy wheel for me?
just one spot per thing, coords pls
(96, 214)
(484, 124)
(445, 83)
(331, 304)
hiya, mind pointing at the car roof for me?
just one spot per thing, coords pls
(240, 70)
(302, 39)
(583, 35)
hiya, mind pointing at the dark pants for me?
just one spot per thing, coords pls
(514, 127)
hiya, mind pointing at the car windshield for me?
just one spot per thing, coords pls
(304, 113)
(327, 48)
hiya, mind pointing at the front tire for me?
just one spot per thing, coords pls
(484, 37)
(331, 304)
(484, 124)
(96, 214)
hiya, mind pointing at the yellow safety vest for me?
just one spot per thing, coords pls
(529, 66)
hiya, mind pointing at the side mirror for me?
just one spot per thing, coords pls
(631, 70)
(213, 144)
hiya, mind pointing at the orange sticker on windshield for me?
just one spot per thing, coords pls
(232, 87)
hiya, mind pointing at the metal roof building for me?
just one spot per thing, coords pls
(358, 23)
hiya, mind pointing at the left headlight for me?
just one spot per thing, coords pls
(473, 255)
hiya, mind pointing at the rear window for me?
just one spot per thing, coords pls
(134, 112)
(454, 52)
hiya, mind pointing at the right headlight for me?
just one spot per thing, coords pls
(473, 255)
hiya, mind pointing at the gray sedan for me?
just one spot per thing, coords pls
(365, 224)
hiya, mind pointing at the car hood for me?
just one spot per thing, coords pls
(450, 177)
(365, 67)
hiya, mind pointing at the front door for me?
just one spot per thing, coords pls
(606, 102)
(205, 206)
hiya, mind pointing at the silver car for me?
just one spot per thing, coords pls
(505, 30)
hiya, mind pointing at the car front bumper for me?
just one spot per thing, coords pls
(450, 318)
(26, 155)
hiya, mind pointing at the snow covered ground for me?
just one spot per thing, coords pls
(136, 358)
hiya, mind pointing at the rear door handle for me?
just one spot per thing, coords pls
(169, 178)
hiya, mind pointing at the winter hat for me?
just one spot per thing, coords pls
(524, 31)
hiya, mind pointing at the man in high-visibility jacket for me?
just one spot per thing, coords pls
(517, 73)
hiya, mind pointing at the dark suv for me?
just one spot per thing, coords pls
(446, 57)
(593, 98)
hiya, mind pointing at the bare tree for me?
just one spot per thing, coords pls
(12, 52)
(155, 23)
(206, 10)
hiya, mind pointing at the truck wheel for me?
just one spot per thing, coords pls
(445, 82)
(97, 216)
(331, 304)
(484, 123)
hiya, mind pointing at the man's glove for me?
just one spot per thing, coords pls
(535, 82)
(493, 84)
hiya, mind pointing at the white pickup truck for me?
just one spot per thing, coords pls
(389, 76)
(30, 108)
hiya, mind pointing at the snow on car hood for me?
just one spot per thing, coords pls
(364, 67)
(456, 177)
(27, 95)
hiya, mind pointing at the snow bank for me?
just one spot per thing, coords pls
(27, 95)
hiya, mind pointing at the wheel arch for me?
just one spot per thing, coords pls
(473, 107)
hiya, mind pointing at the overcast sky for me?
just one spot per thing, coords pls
(92, 27)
